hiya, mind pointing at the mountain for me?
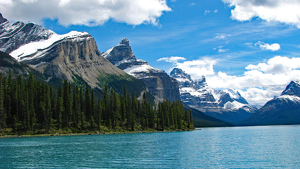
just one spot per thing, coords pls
(159, 83)
(202, 120)
(73, 56)
(226, 105)
(279, 111)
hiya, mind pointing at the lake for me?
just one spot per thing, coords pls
(232, 147)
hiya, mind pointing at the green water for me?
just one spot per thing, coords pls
(237, 147)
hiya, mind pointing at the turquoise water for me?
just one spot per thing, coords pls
(236, 147)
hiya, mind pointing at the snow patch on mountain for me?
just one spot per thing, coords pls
(234, 105)
(107, 53)
(137, 69)
(37, 48)
(227, 99)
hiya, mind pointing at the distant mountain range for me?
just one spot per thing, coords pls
(282, 110)
(227, 105)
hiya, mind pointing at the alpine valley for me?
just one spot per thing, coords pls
(52, 58)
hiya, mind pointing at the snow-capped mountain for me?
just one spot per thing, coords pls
(73, 56)
(159, 83)
(280, 110)
(227, 105)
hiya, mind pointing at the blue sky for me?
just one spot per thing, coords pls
(249, 46)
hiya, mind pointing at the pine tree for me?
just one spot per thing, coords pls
(76, 107)
(67, 105)
(106, 107)
(93, 106)
(59, 106)
(99, 113)
(87, 103)
(31, 97)
(3, 115)
(48, 115)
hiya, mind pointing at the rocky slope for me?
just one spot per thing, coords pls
(73, 56)
(279, 111)
(159, 83)
(227, 105)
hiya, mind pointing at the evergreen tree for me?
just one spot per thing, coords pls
(31, 98)
(106, 107)
(93, 106)
(67, 105)
(76, 107)
(3, 115)
(48, 114)
(59, 106)
(99, 113)
(87, 103)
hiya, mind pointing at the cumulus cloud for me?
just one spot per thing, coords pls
(196, 68)
(89, 13)
(258, 84)
(173, 59)
(285, 11)
(265, 46)
(192, 4)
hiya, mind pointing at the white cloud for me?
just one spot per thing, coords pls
(192, 4)
(257, 85)
(285, 11)
(222, 50)
(195, 68)
(221, 35)
(206, 12)
(216, 11)
(265, 46)
(173, 59)
(90, 13)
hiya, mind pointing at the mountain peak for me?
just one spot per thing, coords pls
(125, 42)
(2, 20)
(292, 89)
(179, 73)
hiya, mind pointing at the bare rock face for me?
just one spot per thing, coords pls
(158, 82)
(70, 56)
(75, 58)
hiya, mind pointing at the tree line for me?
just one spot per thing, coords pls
(35, 106)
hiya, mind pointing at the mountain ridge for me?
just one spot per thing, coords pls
(226, 105)
(282, 110)
(73, 56)
(158, 82)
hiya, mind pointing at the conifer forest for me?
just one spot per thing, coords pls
(34, 107)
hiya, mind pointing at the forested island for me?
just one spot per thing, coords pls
(30, 107)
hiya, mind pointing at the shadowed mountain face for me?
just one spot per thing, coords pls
(227, 105)
(279, 111)
(159, 83)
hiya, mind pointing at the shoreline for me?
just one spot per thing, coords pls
(93, 133)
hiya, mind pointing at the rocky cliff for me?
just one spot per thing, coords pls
(159, 83)
(73, 56)
(227, 105)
